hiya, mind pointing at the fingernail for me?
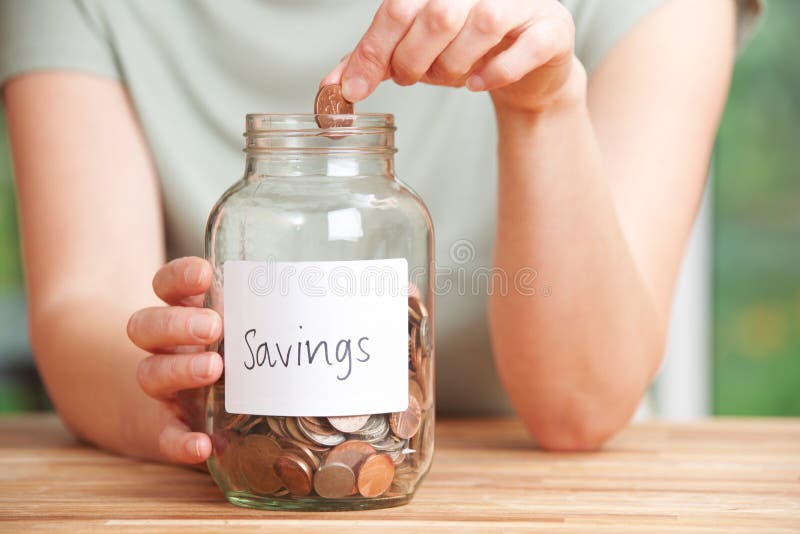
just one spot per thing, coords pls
(354, 89)
(201, 325)
(193, 447)
(193, 275)
(475, 83)
(201, 366)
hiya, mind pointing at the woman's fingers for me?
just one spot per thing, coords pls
(183, 279)
(161, 328)
(547, 40)
(162, 376)
(432, 30)
(444, 41)
(370, 60)
(488, 23)
(178, 444)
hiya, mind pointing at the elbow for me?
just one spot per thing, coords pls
(577, 430)
(580, 436)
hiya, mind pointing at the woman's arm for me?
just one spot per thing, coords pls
(598, 193)
(92, 239)
(598, 187)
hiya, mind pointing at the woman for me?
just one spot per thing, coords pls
(124, 120)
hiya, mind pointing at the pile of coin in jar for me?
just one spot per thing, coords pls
(334, 457)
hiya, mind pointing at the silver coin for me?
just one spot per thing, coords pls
(425, 337)
(329, 440)
(376, 429)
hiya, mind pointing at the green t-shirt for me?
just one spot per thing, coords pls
(195, 68)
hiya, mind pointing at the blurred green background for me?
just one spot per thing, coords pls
(756, 192)
(757, 226)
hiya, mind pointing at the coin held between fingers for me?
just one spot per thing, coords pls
(330, 101)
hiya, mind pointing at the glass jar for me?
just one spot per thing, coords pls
(323, 265)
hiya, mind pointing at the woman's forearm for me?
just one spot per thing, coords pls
(577, 356)
(89, 367)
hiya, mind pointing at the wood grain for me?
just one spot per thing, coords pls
(733, 475)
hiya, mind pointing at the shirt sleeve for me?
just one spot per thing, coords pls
(52, 35)
(599, 25)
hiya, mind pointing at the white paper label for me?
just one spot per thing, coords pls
(316, 338)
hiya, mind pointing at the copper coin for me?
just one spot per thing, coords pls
(256, 461)
(234, 420)
(294, 472)
(302, 450)
(291, 429)
(350, 453)
(413, 316)
(329, 101)
(334, 480)
(229, 460)
(424, 378)
(415, 390)
(405, 424)
(351, 423)
(413, 290)
(415, 356)
(412, 342)
(415, 303)
(252, 423)
(375, 475)
(274, 424)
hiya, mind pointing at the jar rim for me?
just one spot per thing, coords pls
(291, 133)
(306, 122)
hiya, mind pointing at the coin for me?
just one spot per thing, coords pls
(416, 308)
(317, 425)
(291, 428)
(413, 290)
(274, 424)
(376, 428)
(415, 390)
(375, 475)
(256, 458)
(412, 344)
(391, 443)
(235, 420)
(398, 456)
(413, 315)
(405, 424)
(302, 450)
(348, 424)
(416, 357)
(425, 342)
(329, 101)
(425, 380)
(294, 472)
(334, 480)
(350, 453)
(229, 461)
(252, 423)
(329, 437)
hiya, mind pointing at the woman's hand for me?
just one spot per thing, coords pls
(521, 51)
(178, 367)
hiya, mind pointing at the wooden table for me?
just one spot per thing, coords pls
(736, 475)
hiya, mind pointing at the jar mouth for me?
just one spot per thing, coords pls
(301, 122)
(301, 132)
